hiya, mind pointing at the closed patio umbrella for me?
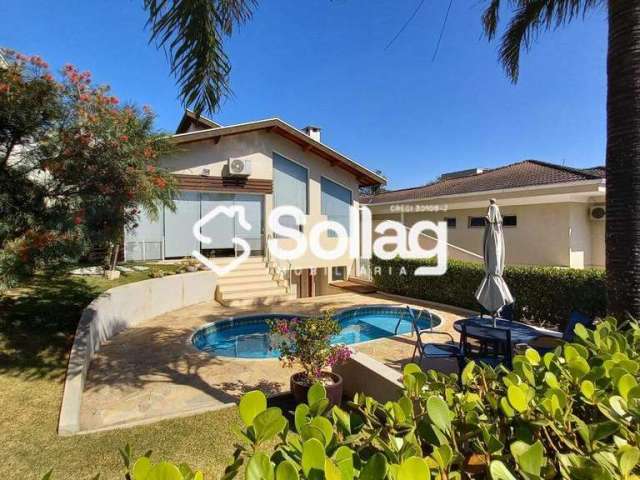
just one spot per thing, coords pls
(493, 293)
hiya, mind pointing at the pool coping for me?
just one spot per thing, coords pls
(190, 343)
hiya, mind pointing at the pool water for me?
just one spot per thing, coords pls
(248, 336)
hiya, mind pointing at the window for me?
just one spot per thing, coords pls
(451, 222)
(290, 187)
(335, 203)
(338, 273)
(510, 221)
(475, 222)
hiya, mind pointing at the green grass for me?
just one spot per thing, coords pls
(37, 324)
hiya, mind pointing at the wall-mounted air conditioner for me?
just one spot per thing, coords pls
(598, 213)
(239, 167)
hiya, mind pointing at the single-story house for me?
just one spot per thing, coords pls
(553, 214)
(259, 165)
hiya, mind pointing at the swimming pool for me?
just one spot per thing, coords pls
(248, 336)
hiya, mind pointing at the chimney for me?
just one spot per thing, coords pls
(313, 132)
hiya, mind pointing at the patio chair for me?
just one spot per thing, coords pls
(495, 351)
(430, 350)
(548, 343)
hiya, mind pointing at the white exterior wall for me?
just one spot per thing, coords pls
(557, 234)
(258, 147)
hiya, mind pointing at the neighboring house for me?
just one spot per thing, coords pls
(553, 215)
(259, 165)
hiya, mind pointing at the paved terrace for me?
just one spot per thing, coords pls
(152, 372)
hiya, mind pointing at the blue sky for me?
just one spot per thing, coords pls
(324, 62)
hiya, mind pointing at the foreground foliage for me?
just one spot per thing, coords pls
(544, 295)
(573, 413)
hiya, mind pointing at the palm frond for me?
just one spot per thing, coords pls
(193, 33)
(530, 17)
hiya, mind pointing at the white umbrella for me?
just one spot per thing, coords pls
(493, 293)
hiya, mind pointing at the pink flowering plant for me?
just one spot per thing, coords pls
(307, 343)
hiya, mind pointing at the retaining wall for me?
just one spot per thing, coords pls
(118, 309)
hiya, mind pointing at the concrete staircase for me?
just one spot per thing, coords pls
(250, 283)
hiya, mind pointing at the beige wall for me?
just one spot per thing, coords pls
(559, 234)
(259, 147)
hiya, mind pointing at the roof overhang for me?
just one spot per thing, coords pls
(190, 118)
(584, 191)
(274, 125)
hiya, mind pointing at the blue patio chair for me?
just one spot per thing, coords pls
(495, 351)
(547, 343)
(449, 349)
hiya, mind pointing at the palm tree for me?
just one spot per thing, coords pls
(530, 17)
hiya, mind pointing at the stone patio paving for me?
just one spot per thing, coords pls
(151, 371)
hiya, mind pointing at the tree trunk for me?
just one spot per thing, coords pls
(623, 159)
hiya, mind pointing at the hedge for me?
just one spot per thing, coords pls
(544, 295)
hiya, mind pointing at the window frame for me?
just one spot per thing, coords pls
(470, 221)
(348, 227)
(510, 216)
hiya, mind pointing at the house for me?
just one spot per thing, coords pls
(553, 215)
(258, 165)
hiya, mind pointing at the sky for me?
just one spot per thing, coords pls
(326, 63)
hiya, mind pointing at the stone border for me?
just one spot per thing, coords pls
(116, 310)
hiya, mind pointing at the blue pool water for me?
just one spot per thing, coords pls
(248, 336)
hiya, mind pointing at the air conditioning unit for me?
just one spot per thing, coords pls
(598, 213)
(239, 167)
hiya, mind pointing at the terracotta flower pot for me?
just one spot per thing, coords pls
(332, 383)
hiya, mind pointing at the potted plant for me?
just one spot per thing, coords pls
(307, 343)
(191, 264)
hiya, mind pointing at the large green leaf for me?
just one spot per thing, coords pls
(343, 458)
(259, 467)
(626, 383)
(331, 471)
(413, 468)
(499, 471)
(251, 404)
(439, 413)
(313, 456)
(301, 416)
(287, 471)
(629, 458)
(517, 398)
(316, 393)
(164, 471)
(375, 468)
(141, 468)
(325, 427)
(269, 423)
(532, 459)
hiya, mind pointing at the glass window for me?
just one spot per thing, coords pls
(510, 221)
(476, 222)
(451, 222)
(335, 203)
(290, 187)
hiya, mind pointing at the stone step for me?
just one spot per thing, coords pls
(227, 260)
(246, 271)
(245, 278)
(248, 286)
(262, 292)
(258, 301)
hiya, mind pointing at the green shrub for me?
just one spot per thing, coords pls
(572, 414)
(545, 295)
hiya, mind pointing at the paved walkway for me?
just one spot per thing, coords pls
(151, 371)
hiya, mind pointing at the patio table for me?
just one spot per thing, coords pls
(520, 332)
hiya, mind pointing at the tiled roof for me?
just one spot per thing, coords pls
(522, 174)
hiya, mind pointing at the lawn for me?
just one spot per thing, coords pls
(37, 324)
